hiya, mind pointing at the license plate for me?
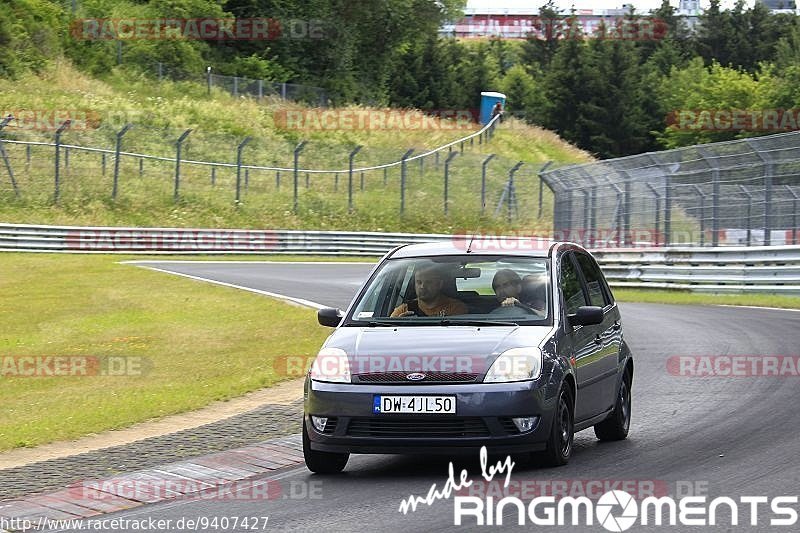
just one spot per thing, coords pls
(414, 404)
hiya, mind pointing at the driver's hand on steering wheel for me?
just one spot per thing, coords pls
(508, 302)
(407, 313)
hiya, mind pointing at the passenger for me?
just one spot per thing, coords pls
(508, 287)
(430, 301)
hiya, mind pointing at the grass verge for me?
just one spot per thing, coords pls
(196, 343)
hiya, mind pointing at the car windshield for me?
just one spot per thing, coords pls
(456, 290)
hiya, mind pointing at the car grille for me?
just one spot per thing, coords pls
(330, 427)
(417, 427)
(430, 378)
(509, 426)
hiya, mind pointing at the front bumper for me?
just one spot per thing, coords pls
(484, 409)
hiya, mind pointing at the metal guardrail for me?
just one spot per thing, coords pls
(773, 269)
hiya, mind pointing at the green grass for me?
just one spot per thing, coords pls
(694, 298)
(161, 111)
(198, 342)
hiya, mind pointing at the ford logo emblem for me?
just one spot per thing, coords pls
(416, 376)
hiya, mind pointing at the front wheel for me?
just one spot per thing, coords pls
(615, 427)
(562, 432)
(322, 462)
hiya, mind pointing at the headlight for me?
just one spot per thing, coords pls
(331, 365)
(516, 364)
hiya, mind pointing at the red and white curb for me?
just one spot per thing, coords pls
(239, 474)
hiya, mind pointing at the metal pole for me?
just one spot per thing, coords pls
(362, 180)
(593, 216)
(178, 145)
(59, 131)
(236, 86)
(658, 210)
(4, 155)
(117, 147)
(239, 150)
(768, 204)
(385, 175)
(403, 180)
(208, 80)
(586, 211)
(103, 162)
(308, 180)
(541, 185)
(511, 194)
(483, 181)
(350, 177)
(667, 209)
(447, 177)
(749, 211)
(703, 216)
(335, 181)
(141, 166)
(794, 213)
(297, 150)
(213, 176)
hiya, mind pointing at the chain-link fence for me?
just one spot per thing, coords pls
(742, 192)
(148, 166)
(241, 86)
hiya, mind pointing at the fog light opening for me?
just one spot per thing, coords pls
(525, 424)
(319, 422)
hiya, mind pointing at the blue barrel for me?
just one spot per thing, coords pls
(488, 100)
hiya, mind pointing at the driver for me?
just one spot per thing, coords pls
(430, 301)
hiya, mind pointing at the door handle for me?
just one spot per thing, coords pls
(598, 340)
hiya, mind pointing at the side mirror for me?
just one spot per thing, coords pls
(329, 317)
(586, 315)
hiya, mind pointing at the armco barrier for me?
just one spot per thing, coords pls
(773, 269)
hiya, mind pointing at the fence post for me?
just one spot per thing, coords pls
(350, 177)
(593, 217)
(235, 86)
(141, 166)
(403, 180)
(749, 211)
(626, 230)
(208, 80)
(447, 177)
(667, 209)
(483, 182)
(385, 175)
(297, 150)
(335, 182)
(178, 145)
(160, 71)
(213, 176)
(308, 180)
(703, 216)
(4, 155)
(283, 91)
(239, 149)
(277, 180)
(260, 89)
(512, 196)
(541, 185)
(64, 125)
(66, 159)
(658, 210)
(117, 146)
(794, 213)
(103, 162)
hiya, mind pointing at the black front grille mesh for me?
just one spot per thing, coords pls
(417, 427)
(430, 377)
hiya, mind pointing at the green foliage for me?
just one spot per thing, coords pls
(31, 33)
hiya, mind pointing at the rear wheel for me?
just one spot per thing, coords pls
(559, 444)
(322, 462)
(615, 427)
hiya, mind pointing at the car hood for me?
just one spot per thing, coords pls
(468, 349)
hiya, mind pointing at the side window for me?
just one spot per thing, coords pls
(570, 285)
(594, 279)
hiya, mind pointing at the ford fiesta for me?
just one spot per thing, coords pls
(447, 350)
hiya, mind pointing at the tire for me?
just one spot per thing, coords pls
(616, 426)
(322, 462)
(562, 431)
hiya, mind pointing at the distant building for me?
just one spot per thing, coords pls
(779, 6)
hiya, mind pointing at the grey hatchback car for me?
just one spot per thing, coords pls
(447, 349)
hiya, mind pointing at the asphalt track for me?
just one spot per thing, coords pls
(725, 436)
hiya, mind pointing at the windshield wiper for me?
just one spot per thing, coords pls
(447, 322)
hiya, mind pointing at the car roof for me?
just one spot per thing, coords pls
(481, 246)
